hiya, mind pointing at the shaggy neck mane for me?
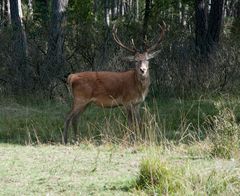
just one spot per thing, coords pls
(142, 82)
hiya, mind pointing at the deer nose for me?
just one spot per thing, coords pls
(143, 70)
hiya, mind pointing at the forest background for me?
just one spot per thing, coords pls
(189, 142)
(42, 41)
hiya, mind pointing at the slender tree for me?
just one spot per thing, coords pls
(215, 22)
(55, 52)
(5, 14)
(30, 9)
(201, 26)
(236, 22)
(208, 24)
(146, 17)
(19, 66)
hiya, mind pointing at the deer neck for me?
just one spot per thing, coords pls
(142, 83)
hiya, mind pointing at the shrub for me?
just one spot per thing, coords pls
(224, 133)
(158, 177)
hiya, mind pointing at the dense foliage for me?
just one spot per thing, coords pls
(43, 41)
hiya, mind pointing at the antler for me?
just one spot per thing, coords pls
(154, 46)
(117, 40)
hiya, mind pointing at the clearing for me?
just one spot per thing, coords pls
(108, 169)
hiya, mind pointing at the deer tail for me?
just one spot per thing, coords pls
(69, 83)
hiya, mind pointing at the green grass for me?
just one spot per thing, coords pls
(179, 171)
(179, 118)
(41, 121)
(65, 170)
(156, 176)
(25, 123)
(189, 147)
(115, 170)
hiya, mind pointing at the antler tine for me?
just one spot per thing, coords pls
(134, 46)
(117, 40)
(154, 46)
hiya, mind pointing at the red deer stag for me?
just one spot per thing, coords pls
(110, 89)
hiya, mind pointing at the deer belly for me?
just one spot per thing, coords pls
(107, 102)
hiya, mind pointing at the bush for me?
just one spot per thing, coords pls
(224, 133)
(185, 175)
(158, 177)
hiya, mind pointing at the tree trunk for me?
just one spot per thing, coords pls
(201, 27)
(18, 28)
(214, 23)
(236, 10)
(19, 67)
(121, 8)
(208, 26)
(235, 29)
(1, 12)
(95, 9)
(107, 12)
(55, 55)
(137, 10)
(30, 9)
(146, 18)
(5, 13)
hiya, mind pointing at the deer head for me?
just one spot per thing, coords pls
(141, 59)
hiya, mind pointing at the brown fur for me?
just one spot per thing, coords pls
(106, 89)
(111, 89)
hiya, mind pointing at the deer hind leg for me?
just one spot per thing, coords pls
(66, 126)
(137, 116)
(73, 117)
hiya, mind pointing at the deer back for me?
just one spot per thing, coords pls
(108, 88)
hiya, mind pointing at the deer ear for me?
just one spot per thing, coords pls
(129, 58)
(153, 54)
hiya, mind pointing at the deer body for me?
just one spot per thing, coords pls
(111, 89)
(108, 89)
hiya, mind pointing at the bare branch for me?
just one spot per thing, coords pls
(37, 46)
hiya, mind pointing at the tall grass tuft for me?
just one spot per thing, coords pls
(158, 178)
(173, 173)
(225, 132)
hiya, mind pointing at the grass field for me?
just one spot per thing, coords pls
(189, 147)
(109, 170)
(66, 170)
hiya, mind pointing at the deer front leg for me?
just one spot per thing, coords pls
(137, 116)
(133, 120)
